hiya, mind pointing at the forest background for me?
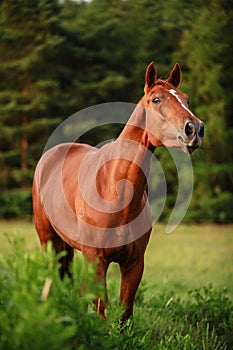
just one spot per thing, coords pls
(59, 57)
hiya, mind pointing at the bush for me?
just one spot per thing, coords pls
(217, 209)
(16, 203)
(39, 311)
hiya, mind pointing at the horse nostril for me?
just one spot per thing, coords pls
(189, 129)
(202, 130)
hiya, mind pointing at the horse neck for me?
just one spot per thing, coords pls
(135, 129)
(137, 148)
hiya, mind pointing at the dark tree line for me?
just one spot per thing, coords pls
(58, 57)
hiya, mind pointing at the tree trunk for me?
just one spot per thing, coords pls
(24, 145)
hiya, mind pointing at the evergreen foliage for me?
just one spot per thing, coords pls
(33, 98)
(58, 57)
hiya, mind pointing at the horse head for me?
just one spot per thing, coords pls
(169, 121)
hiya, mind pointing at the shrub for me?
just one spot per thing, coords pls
(39, 311)
(209, 208)
(15, 203)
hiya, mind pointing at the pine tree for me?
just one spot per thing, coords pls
(204, 49)
(33, 96)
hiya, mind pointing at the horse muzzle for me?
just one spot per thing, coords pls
(192, 136)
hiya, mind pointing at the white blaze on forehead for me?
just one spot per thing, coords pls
(174, 93)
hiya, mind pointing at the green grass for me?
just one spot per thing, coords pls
(190, 257)
(182, 303)
(24, 228)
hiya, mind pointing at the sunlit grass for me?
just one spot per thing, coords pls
(190, 257)
(181, 303)
(24, 228)
(45, 312)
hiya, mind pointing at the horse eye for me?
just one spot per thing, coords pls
(156, 100)
(188, 101)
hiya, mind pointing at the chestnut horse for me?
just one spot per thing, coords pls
(95, 200)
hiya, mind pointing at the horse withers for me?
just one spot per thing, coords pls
(95, 200)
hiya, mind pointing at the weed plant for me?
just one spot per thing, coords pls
(39, 311)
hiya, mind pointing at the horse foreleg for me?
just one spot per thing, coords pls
(102, 299)
(130, 279)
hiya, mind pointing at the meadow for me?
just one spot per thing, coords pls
(185, 300)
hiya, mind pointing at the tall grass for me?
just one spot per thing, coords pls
(190, 257)
(39, 311)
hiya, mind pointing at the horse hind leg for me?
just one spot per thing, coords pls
(46, 233)
(64, 261)
(61, 246)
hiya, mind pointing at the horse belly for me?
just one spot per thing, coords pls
(51, 195)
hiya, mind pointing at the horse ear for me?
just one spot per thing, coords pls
(175, 76)
(150, 75)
